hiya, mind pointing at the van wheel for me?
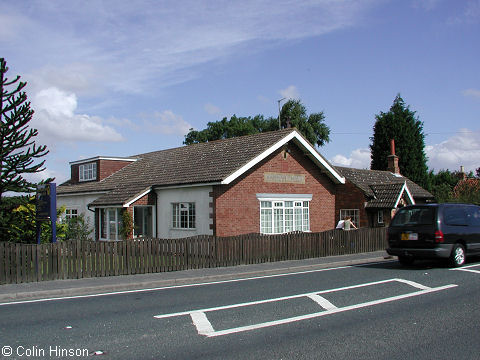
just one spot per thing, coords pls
(406, 260)
(457, 258)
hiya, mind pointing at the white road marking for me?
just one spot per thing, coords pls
(320, 300)
(204, 327)
(467, 269)
(324, 313)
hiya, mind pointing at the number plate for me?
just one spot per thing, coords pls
(409, 236)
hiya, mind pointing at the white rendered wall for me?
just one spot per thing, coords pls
(80, 203)
(198, 195)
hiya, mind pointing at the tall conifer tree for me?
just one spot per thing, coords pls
(400, 124)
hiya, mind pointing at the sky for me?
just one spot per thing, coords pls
(120, 78)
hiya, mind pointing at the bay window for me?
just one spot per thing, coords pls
(282, 213)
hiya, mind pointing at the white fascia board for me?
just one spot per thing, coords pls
(182, 186)
(278, 145)
(101, 158)
(404, 189)
(127, 204)
(340, 179)
(291, 197)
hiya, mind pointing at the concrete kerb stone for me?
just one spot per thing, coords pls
(122, 286)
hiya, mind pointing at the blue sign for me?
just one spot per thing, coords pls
(46, 206)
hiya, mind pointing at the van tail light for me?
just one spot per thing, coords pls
(439, 237)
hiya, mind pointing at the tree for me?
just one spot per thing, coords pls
(311, 126)
(400, 124)
(18, 151)
(467, 191)
(293, 113)
(441, 185)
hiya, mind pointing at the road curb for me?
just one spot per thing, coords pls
(105, 289)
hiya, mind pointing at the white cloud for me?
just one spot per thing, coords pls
(56, 120)
(359, 159)
(134, 46)
(79, 78)
(167, 123)
(462, 149)
(290, 92)
(475, 93)
(45, 174)
(212, 109)
(469, 15)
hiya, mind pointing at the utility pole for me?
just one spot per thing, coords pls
(279, 113)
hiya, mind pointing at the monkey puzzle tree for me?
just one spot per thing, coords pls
(18, 152)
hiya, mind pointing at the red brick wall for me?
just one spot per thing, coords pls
(237, 209)
(350, 197)
(149, 199)
(105, 168)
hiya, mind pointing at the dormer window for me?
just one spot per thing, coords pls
(88, 172)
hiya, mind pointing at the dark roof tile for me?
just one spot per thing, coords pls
(364, 179)
(198, 163)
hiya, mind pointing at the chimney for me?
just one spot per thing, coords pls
(392, 159)
(462, 175)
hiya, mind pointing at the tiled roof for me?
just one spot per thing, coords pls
(209, 162)
(364, 179)
(386, 195)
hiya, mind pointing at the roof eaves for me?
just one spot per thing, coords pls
(404, 189)
(185, 185)
(137, 197)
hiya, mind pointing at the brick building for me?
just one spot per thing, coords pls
(371, 197)
(269, 183)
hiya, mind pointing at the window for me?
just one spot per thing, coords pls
(380, 216)
(455, 216)
(354, 214)
(87, 172)
(282, 216)
(143, 221)
(183, 215)
(110, 223)
(414, 216)
(71, 213)
(473, 215)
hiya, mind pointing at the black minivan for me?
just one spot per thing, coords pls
(435, 231)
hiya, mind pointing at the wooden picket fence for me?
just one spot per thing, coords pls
(20, 263)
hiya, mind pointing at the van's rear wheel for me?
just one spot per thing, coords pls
(406, 260)
(457, 258)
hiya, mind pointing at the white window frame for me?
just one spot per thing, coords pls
(187, 211)
(283, 213)
(87, 172)
(116, 221)
(71, 213)
(353, 213)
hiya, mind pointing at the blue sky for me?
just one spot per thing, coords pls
(119, 78)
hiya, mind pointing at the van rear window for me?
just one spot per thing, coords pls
(413, 216)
